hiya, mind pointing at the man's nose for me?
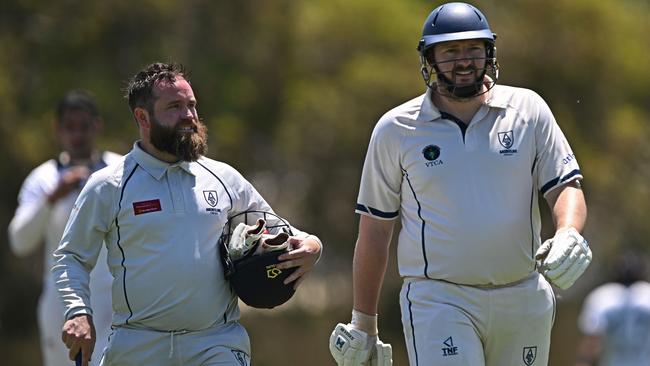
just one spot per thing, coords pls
(188, 113)
(465, 60)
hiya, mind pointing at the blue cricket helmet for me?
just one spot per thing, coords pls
(456, 22)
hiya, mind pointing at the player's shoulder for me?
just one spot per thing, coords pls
(514, 97)
(223, 171)
(228, 175)
(524, 102)
(44, 171)
(216, 166)
(641, 290)
(400, 119)
(404, 113)
(110, 157)
(113, 174)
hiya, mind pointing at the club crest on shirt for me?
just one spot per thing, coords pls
(529, 355)
(241, 357)
(211, 197)
(432, 153)
(507, 139)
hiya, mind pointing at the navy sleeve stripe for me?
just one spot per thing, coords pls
(549, 185)
(376, 212)
(553, 182)
(570, 175)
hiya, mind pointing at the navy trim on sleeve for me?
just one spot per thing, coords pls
(572, 174)
(553, 182)
(376, 212)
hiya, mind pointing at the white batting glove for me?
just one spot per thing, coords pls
(244, 238)
(273, 243)
(564, 257)
(383, 355)
(353, 347)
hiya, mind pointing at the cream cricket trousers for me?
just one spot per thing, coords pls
(457, 325)
(224, 345)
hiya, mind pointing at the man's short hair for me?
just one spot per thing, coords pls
(139, 90)
(77, 100)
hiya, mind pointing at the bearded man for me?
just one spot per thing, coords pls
(159, 212)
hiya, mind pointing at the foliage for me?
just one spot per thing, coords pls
(290, 91)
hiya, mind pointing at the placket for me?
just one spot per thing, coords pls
(174, 182)
(472, 138)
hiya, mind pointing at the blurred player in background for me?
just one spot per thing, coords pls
(160, 211)
(462, 166)
(615, 318)
(44, 204)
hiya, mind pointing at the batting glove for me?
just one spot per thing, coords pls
(564, 257)
(353, 347)
(244, 238)
(273, 243)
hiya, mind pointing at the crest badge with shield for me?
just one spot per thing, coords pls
(529, 355)
(211, 197)
(506, 139)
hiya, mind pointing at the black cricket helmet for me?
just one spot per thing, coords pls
(455, 22)
(254, 277)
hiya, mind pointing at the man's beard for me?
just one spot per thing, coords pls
(466, 90)
(187, 147)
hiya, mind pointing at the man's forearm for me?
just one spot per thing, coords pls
(369, 267)
(568, 207)
(370, 261)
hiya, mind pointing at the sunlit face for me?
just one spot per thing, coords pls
(76, 131)
(175, 125)
(461, 62)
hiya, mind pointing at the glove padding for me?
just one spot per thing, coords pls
(564, 257)
(244, 238)
(352, 347)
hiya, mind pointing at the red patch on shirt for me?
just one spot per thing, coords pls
(144, 207)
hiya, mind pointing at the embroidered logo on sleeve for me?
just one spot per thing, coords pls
(144, 207)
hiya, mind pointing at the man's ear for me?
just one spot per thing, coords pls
(430, 56)
(141, 116)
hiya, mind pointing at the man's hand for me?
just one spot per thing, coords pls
(564, 257)
(352, 347)
(304, 255)
(78, 334)
(70, 181)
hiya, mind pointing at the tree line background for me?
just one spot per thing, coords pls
(290, 91)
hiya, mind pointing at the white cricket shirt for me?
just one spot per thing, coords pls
(467, 201)
(37, 222)
(161, 223)
(621, 316)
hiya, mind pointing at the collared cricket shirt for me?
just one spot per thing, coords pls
(160, 223)
(467, 198)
